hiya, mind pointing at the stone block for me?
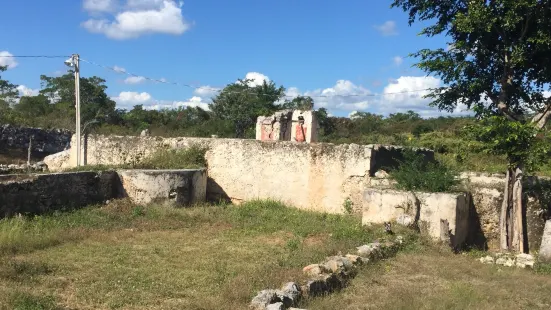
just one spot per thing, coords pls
(179, 187)
(386, 205)
(276, 306)
(545, 248)
(525, 260)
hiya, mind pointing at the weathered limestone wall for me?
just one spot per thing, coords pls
(49, 192)
(487, 197)
(179, 187)
(47, 141)
(386, 205)
(311, 176)
(35, 194)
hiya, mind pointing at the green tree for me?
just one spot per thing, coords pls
(365, 122)
(498, 64)
(8, 91)
(33, 106)
(94, 101)
(409, 116)
(303, 103)
(241, 103)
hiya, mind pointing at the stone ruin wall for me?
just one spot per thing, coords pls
(315, 176)
(47, 141)
(487, 197)
(44, 193)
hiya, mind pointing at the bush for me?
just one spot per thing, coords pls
(189, 158)
(416, 173)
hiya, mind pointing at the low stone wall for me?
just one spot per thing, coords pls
(49, 192)
(316, 176)
(36, 194)
(428, 210)
(48, 141)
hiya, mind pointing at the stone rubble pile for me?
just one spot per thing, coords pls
(324, 278)
(35, 167)
(509, 260)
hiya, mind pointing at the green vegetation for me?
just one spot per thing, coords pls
(416, 173)
(192, 157)
(123, 256)
(188, 158)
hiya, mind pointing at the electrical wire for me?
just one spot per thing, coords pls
(33, 56)
(163, 81)
(119, 71)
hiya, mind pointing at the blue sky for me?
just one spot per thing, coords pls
(346, 54)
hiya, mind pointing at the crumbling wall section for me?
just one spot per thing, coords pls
(317, 176)
(487, 197)
(50, 192)
(48, 141)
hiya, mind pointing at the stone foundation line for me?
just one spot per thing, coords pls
(325, 278)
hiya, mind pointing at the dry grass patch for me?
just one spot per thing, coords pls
(123, 256)
(433, 278)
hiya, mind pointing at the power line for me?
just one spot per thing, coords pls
(119, 71)
(34, 56)
(163, 81)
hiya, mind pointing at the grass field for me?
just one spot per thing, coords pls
(430, 277)
(122, 256)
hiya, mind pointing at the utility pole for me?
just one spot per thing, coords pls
(74, 61)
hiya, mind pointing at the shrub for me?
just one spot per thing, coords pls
(192, 157)
(416, 173)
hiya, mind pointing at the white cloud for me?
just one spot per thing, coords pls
(119, 69)
(6, 60)
(407, 93)
(99, 5)
(206, 91)
(388, 28)
(127, 100)
(141, 18)
(25, 91)
(194, 101)
(134, 80)
(344, 96)
(256, 78)
(398, 61)
(400, 95)
(130, 97)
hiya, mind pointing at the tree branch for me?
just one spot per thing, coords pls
(542, 118)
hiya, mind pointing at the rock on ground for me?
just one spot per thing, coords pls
(276, 306)
(545, 248)
(487, 260)
(525, 260)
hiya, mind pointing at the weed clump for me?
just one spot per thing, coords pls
(416, 173)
